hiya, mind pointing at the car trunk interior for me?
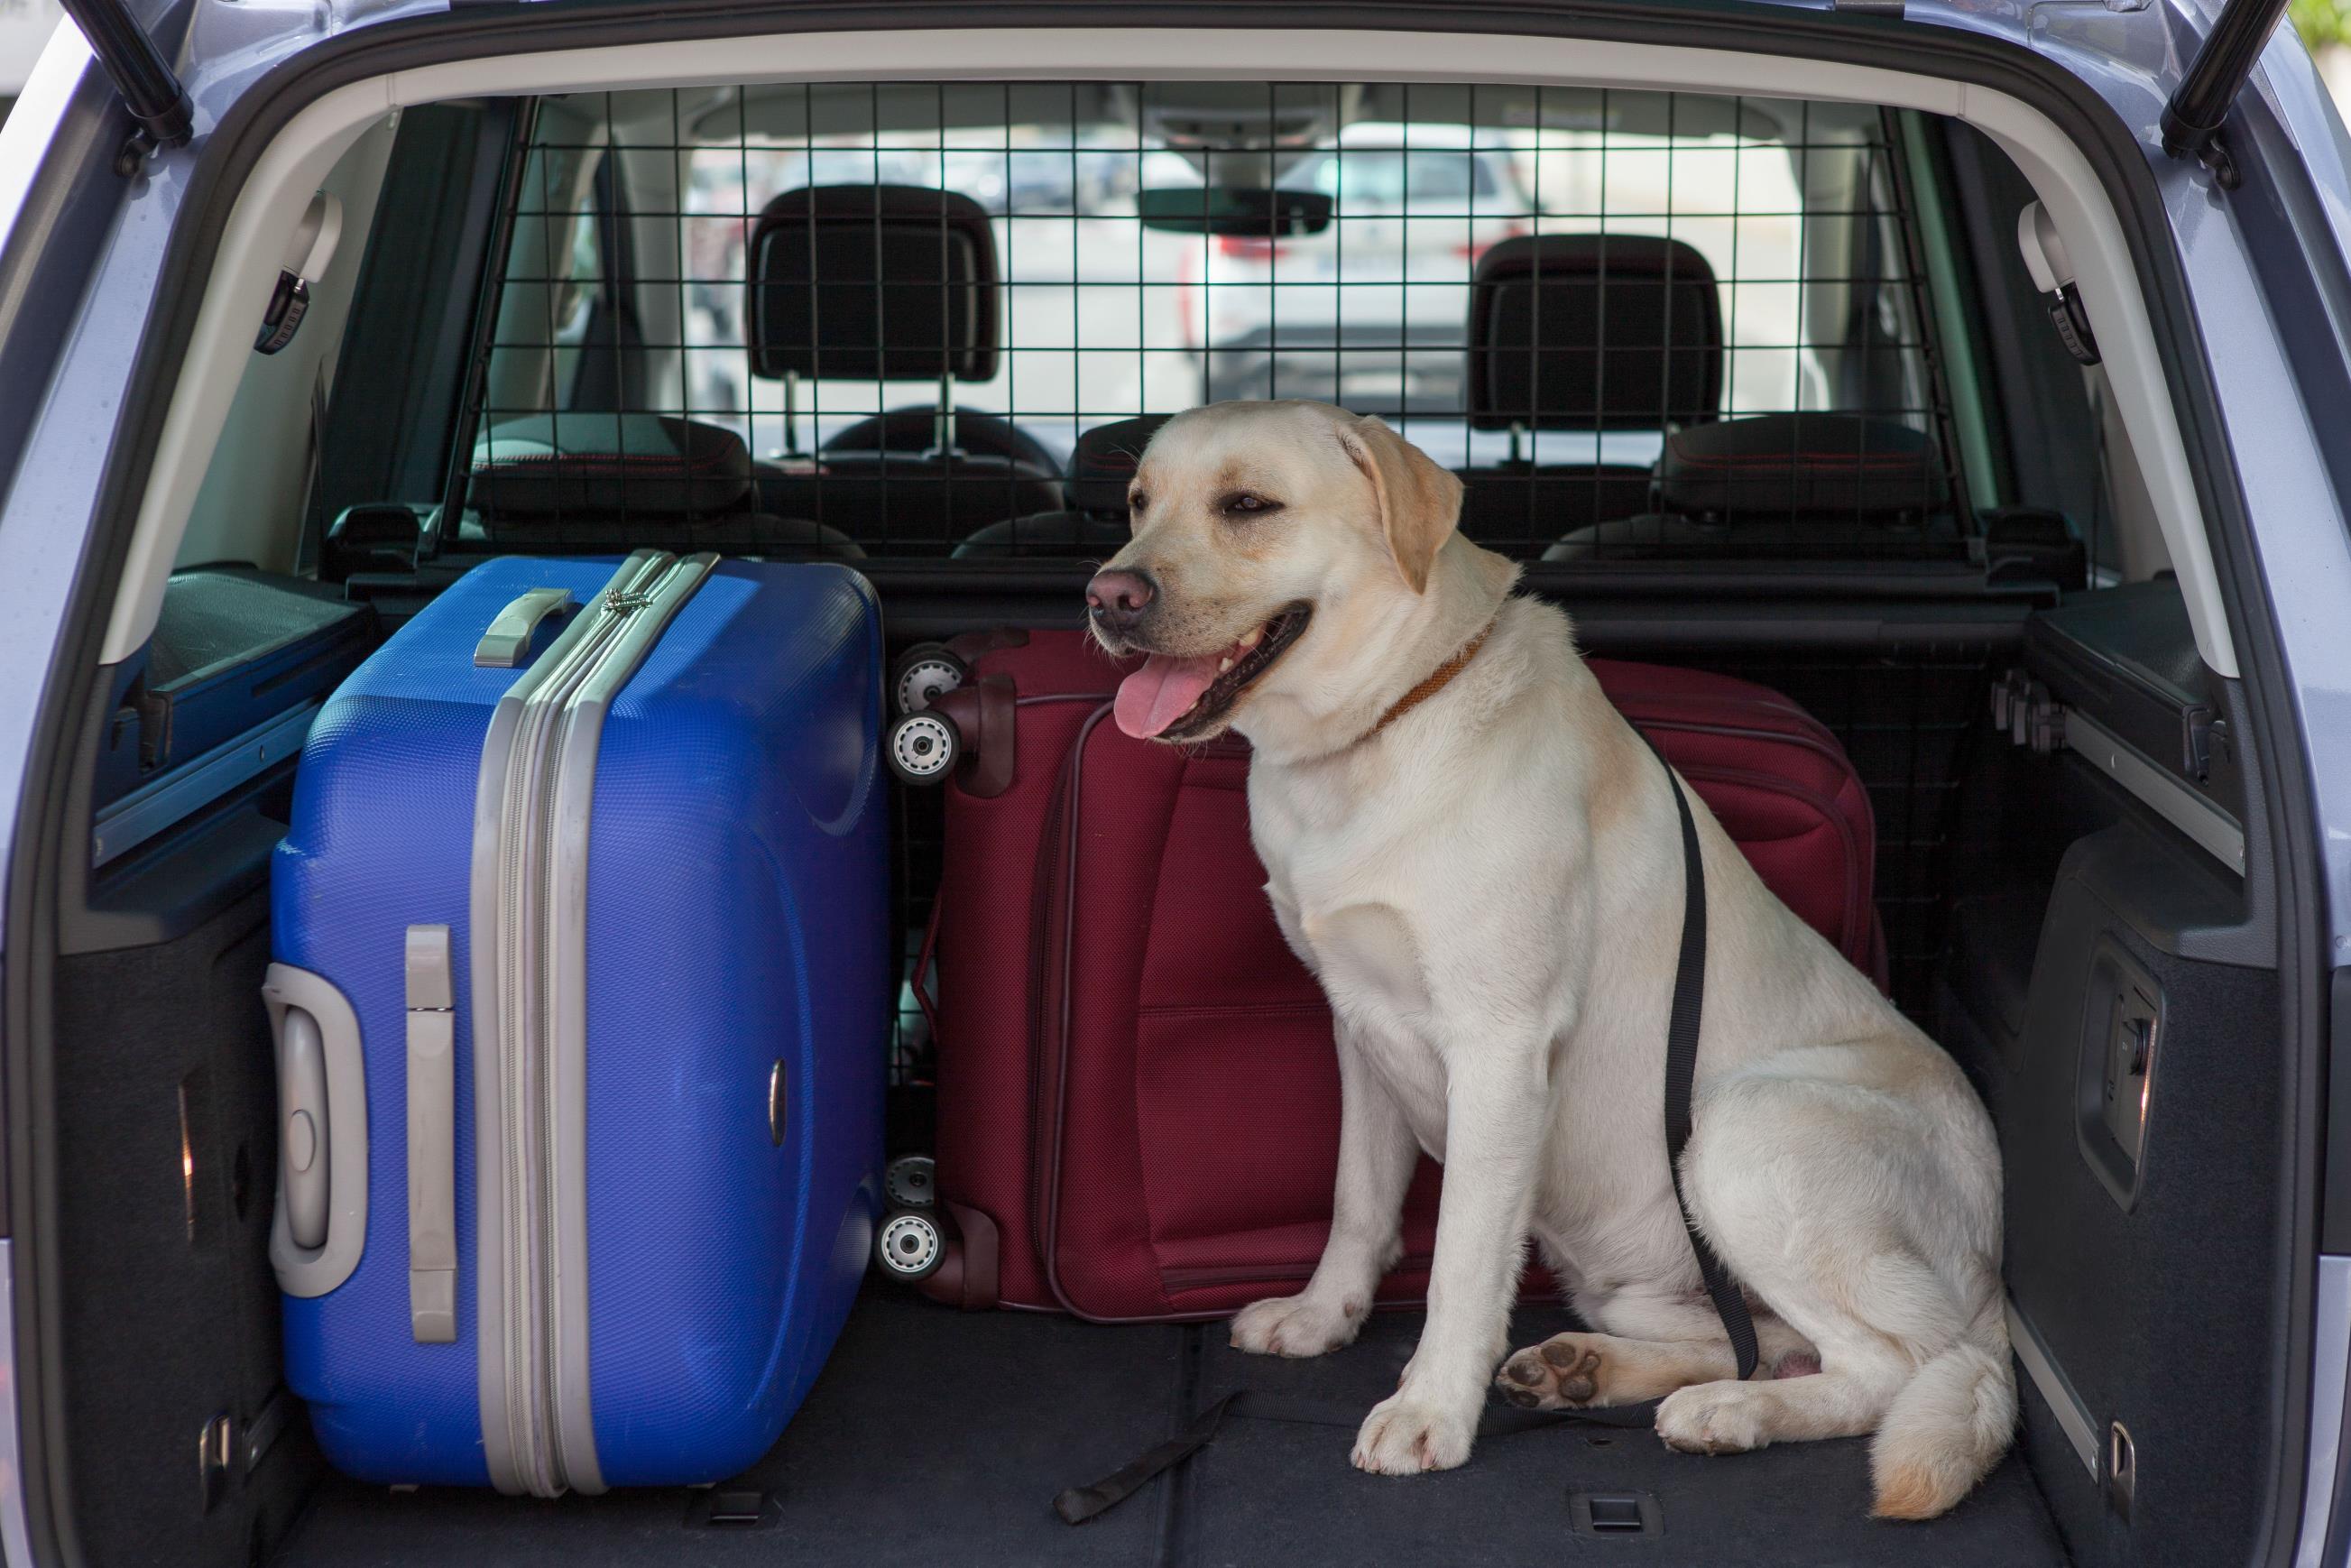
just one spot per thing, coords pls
(2094, 941)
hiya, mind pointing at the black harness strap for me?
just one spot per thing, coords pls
(1681, 1073)
(1080, 1504)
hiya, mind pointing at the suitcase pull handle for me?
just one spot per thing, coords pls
(319, 1227)
(432, 1138)
(502, 646)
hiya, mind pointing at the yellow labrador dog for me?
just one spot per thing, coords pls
(1482, 863)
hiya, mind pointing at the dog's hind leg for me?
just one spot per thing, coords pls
(1863, 1365)
(1665, 1343)
(1875, 1234)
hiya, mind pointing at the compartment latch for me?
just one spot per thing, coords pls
(2122, 1470)
(1619, 1514)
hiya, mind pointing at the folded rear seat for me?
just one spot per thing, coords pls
(1785, 487)
(595, 481)
(1094, 524)
(1592, 334)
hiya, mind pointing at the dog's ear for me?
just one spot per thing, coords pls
(1419, 502)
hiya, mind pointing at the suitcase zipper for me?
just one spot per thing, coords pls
(526, 1089)
(555, 718)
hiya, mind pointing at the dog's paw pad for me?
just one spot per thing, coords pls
(1563, 1372)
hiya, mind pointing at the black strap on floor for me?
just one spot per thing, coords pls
(1681, 1073)
(1080, 1504)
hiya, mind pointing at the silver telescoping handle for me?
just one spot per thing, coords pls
(508, 638)
(432, 1138)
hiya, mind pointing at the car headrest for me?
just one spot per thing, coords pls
(872, 283)
(1593, 332)
(1103, 464)
(1779, 466)
(609, 464)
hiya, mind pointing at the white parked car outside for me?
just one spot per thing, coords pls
(1388, 281)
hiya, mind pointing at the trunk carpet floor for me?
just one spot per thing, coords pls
(936, 1437)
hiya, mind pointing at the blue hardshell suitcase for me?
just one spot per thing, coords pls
(581, 994)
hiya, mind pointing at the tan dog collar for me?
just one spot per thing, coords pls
(1438, 680)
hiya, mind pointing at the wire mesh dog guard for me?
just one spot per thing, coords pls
(1642, 326)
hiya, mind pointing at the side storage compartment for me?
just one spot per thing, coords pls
(2111, 988)
(185, 1446)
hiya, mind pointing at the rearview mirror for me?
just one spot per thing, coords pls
(1250, 210)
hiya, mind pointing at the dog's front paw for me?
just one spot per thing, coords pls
(1404, 1437)
(1296, 1326)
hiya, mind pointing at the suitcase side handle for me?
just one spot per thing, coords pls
(432, 1138)
(305, 1134)
(504, 645)
(320, 1226)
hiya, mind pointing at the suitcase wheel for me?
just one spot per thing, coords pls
(909, 1246)
(923, 672)
(923, 747)
(907, 1182)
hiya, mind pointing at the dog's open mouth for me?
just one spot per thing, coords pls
(1173, 699)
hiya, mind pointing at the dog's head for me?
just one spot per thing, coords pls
(1271, 543)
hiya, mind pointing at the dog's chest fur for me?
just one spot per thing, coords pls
(1337, 898)
(1372, 875)
(1445, 899)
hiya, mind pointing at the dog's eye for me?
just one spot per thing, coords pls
(1247, 504)
(1137, 501)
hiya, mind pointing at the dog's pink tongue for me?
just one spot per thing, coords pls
(1160, 692)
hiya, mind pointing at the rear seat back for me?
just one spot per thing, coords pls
(1586, 333)
(1094, 523)
(1786, 487)
(581, 480)
(884, 283)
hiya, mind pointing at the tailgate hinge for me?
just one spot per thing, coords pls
(140, 74)
(2199, 106)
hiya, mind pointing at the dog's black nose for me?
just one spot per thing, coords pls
(1117, 598)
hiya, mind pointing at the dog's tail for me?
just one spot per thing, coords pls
(1948, 1425)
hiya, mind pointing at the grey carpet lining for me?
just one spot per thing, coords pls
(938, 1437)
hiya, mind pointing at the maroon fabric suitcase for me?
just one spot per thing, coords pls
(1138, 1114)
